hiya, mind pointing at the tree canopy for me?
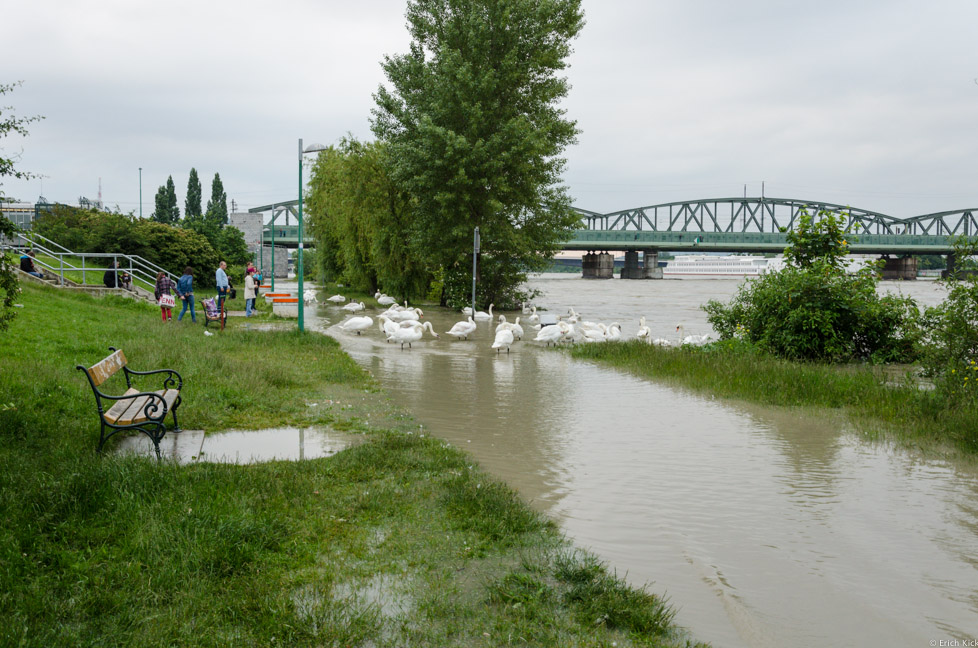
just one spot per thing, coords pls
(475, 133)
(192, 210)
(360, 220)
(9, 123)
(216, 215)
(167, 211)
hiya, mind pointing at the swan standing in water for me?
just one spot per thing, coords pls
(462, 330)
(410, 333)
(533, 318)
(336, 299)
(357, 324)
(354, 307)
(384, 300)
(504, 339)
(482, 316)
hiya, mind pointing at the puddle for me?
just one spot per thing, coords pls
(243, 446)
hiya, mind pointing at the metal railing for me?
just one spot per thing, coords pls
(142, 272)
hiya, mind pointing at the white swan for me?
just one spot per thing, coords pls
(406, 314)
(384, 300)
(644, 332)
(533, 318)
(517, 329)
(692, 340)
(526, 308)
(357, 324)
(482, 316)
(467, 311)
(552, 334)
(309, 295)
(502, 323)
(614, 332)
(387, 325)
(354, 307)
(462, 330)
(337, 299)
(504, 339)
(410, 333)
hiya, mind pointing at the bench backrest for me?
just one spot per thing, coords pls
(106, 368)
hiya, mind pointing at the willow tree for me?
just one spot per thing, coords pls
(360, 220)
(475, 135)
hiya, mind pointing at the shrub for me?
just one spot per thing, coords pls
(814, 310)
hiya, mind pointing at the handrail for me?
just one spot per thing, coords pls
(139, 269)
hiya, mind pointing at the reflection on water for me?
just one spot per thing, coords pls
(765, 527)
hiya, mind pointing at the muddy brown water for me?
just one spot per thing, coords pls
(763, 527)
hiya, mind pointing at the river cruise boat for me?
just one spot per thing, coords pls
(705, 265)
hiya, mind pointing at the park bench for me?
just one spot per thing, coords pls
(144, 411)
(211, 314)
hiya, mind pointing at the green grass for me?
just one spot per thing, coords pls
(867, 395)
(398, 540)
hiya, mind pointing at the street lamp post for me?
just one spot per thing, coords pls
(312, 148)
(140, 192)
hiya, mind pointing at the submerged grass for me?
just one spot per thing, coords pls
(866, 394)
(396, 541)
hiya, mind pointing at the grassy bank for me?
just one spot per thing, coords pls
(867, 395)
(398, 540)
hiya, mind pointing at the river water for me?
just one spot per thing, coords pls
(764, 527)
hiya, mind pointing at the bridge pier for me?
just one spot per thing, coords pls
(904, 268)
(648, 270)
(597, 265)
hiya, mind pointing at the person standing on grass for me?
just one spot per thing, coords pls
(222, 285)
(249, 292)
(164, 286)
(185, 291)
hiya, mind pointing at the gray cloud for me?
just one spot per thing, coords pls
(867, 103)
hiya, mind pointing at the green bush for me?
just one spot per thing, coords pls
(950, 355)
(814, 310)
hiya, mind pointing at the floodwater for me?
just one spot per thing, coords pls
(764, 527)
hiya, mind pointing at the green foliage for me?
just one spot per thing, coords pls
(167, 210)
(9, 286)
(170, 247)
(192, 210)
(8, 274)
(951, 353)
(361, 222)
(10, 123)
(216, 215)
(814, 310)
(475, 133)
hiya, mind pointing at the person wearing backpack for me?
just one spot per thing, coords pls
(185, 291)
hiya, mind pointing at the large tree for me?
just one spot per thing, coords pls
(167, 210)
(9, 123)
(217, 207)
(476, 135)
(191, 206)
(360, 220)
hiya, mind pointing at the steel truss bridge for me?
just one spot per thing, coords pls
(761, 225)
(757, 224)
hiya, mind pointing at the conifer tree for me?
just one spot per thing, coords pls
(192, 205)
(217, 207)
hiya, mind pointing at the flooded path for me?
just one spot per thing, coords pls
(764, 527)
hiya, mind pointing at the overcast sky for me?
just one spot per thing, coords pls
(869, 103)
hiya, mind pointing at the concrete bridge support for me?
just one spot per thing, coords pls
(648, 270)
(599, 265)
(900, 268)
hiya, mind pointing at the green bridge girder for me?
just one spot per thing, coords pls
(757, 224)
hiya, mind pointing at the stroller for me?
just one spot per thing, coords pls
(210, 312)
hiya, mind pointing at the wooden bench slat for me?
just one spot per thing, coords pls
(120, 407)
(132, 410)
(106, 368)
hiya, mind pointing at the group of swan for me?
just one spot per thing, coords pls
(402, 325)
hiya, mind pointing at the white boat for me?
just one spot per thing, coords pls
(706, 265)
